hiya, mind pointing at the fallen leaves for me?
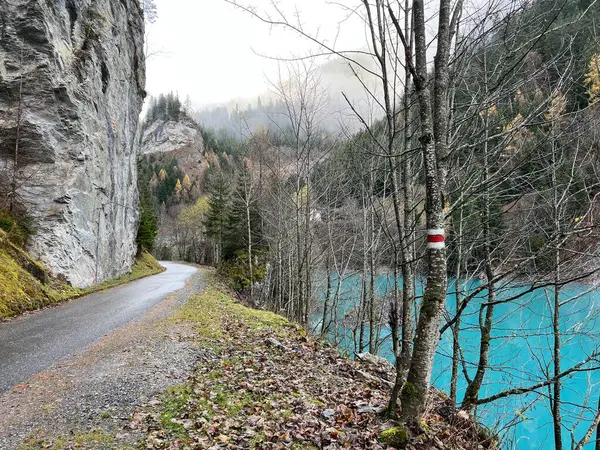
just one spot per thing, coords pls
(268, 386)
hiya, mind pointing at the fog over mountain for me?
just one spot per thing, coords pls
(336, 77)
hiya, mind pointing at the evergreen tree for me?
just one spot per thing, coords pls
(243, 207)
(148, 226)
(217, 218)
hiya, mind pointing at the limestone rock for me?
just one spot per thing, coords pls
(167, 136)
(162, 141)
(374, 360)
(72, 79)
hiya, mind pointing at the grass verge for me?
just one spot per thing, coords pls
(262, 383)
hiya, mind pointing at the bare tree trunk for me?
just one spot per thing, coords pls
(364, 287)
(556, 397)
(324, 321)
(249, 234)
(372, 322)
(434, 147)
(307, 257)
(407, 267)
(395, 325)
(457, 296)
(594, 426)
(472, 392)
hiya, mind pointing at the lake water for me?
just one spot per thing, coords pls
(520, 355)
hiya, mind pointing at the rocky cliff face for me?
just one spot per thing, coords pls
(180, 139)
(166, 136)
(72, 83)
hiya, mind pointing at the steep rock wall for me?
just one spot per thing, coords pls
(72, 79)
(163, 136)
(180, 139)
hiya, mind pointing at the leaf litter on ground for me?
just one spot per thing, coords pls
(263, 383)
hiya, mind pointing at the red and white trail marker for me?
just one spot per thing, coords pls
(435, 238)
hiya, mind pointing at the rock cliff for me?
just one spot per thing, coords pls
(180, 139)
(163, 136)
(72, 79)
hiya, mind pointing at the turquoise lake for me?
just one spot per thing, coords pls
(521, 354)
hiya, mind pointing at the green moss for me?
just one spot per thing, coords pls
(18, 227)
(257, 440)
(22, 281)
(214, 375)
(208, 310)
(424, 426)
(94, 439)
(303, 446)
(239, 402)
(174, 403)
(32, 443)
(396, 437)
(409, 390)
(284, 413)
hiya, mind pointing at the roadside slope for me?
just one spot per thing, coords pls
(26, 286)
(265, 384)
(217, 374)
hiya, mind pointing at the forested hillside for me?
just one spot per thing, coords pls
(469, 197)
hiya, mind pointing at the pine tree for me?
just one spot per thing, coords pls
(187, 183)
(148, 228)
(217, 218)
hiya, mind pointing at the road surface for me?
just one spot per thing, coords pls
(31, 343)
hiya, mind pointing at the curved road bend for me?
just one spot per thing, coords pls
(31, 343)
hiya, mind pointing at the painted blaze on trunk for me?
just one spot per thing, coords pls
(414, 393)
(434, 115)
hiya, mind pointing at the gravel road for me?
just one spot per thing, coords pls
(31, 343)
(98, 376)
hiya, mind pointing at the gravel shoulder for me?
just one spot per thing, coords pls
(90, 397)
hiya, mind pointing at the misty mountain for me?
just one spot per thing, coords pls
(335, 78)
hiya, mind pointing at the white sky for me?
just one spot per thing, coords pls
(205, 47)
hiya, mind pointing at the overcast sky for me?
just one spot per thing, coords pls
(207, 48)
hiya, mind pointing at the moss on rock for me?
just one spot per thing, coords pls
(396, 437)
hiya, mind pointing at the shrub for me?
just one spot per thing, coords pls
(238, 269)
(19, 227)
